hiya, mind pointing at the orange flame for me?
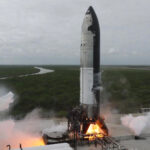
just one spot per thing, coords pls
(30, 142)
(25, 142)
(95, 131)
(37, 142)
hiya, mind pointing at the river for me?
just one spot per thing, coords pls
(41, 71)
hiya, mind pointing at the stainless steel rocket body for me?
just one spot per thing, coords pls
(90, 63)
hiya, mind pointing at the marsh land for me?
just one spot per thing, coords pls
(125, 88)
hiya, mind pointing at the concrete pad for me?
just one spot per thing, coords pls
(63, 146)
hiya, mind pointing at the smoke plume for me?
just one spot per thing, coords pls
(136, 124)
(27, 132)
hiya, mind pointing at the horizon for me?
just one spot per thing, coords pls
(69, 65)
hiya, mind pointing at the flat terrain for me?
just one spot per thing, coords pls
(118, 130)
(125, 88)
(13, 71)
(57, 91)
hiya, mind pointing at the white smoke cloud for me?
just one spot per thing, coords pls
(5, 101)
(136, 124)
(28, 131)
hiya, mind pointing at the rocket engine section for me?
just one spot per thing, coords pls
(90, 64)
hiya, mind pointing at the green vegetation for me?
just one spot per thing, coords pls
(57, 91)
(12, 71)
(125, 88)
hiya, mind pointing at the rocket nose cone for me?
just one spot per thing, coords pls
(90, 10)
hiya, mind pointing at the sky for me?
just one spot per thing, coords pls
(49, 31)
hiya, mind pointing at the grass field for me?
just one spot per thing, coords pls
(125, 88)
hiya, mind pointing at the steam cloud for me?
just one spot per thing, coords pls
(5, 101)
(27, 132)
(136, 124)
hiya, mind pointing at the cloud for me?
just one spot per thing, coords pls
(112, 51)
(50, 30)
(115, 52)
